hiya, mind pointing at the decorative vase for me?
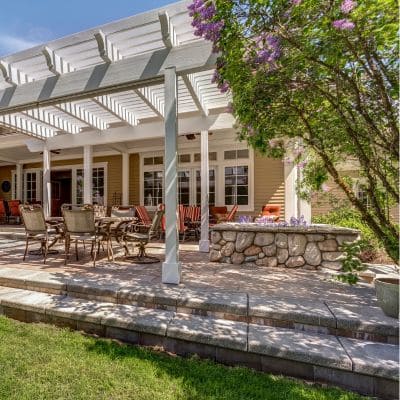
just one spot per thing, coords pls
(387, 293)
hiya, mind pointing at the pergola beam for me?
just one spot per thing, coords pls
(126, 74)
(107, 50)
(167, 30)
(194, 91)
(114, 108)
(26, 126)
(147, 96)
(83, 115)
(52, 120)
(56, 64)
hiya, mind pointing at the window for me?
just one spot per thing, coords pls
(98, 186)
(211, 185)
(153, 188)
(31, 187)
(237, 185)
(236, 154)
(184, 158)
(153, 160)
(363, 195)
(184, 187)
(212, 156)
(79, 186)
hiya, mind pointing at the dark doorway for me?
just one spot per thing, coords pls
(61, 190)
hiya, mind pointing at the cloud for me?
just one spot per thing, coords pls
(10, 44)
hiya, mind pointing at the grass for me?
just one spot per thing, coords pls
(44, 362)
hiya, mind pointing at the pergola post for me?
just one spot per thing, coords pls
(204, 244)
(87, 174)
(125, 178)
(294, 205)
(171, 268)
(46, 182)
(19, 191)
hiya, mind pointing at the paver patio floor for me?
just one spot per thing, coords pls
(197, 272)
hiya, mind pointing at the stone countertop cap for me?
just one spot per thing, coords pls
(255, 227)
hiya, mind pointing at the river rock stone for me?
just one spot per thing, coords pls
(244, 240)
(346, 239)
(312, 254)
(251, 259)
(264, 239)
(297, 244)
(237, 258)
(228, 249)
(229, 236)
(328, 245)
(215, 236)
(282, 255)
(332, 256)
(261, 255)
(295, 262)
(334, 265)
(281, 240)
(252, 251)
(216, 247)
(315, 237)
(222, 242)
(268, 262)
(227, 260)
(215, 256)
(270, 250)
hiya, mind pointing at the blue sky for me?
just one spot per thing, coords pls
(26, 23)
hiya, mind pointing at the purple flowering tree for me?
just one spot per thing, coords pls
(324, 72)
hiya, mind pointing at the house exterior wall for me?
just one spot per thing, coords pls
(5, 175)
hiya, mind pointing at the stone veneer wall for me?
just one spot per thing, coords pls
(291, 247)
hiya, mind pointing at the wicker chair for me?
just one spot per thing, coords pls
(80, 226)
(37, 230)
(131, 235)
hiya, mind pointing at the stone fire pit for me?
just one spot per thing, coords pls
(307, 247)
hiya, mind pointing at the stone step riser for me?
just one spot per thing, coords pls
(231, 343)
(298, 323)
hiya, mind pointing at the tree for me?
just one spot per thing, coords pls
(322, 73)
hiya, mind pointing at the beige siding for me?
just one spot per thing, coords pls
(5, 175)
(269, 183)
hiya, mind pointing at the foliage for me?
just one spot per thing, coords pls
(315, 81)
(351, 263)
(44, 362)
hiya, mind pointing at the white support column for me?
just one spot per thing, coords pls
(294, 205)
(87, 174)
(125, 179)
(204, 245)
(171, 268)
(290, 172)
(46, 182)
(19, 191)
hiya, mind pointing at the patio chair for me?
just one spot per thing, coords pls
(271, 210)
(3, 212)
(80, 226)
(125, 215)
(217, 213)
(13, 211)
(37, 230)
(192, 220)
(182, 227)
(131, 235)
(143, 215)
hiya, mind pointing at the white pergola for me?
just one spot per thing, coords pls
(146, 76)
(141, 77)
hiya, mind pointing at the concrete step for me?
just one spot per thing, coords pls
(360, 321)
(367, 367)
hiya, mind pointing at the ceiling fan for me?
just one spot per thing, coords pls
(57, 151)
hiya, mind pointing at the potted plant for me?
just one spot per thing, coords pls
(387, 293)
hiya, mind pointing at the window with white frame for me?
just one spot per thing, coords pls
(230, 178)
(153, 188)
(31, 190)
(98, 185)
(79, 186)
(363, 195)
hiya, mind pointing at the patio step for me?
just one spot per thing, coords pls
(367, 367)
(359, 321)
(11, 232)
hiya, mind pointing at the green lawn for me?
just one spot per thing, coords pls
(44, 362)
